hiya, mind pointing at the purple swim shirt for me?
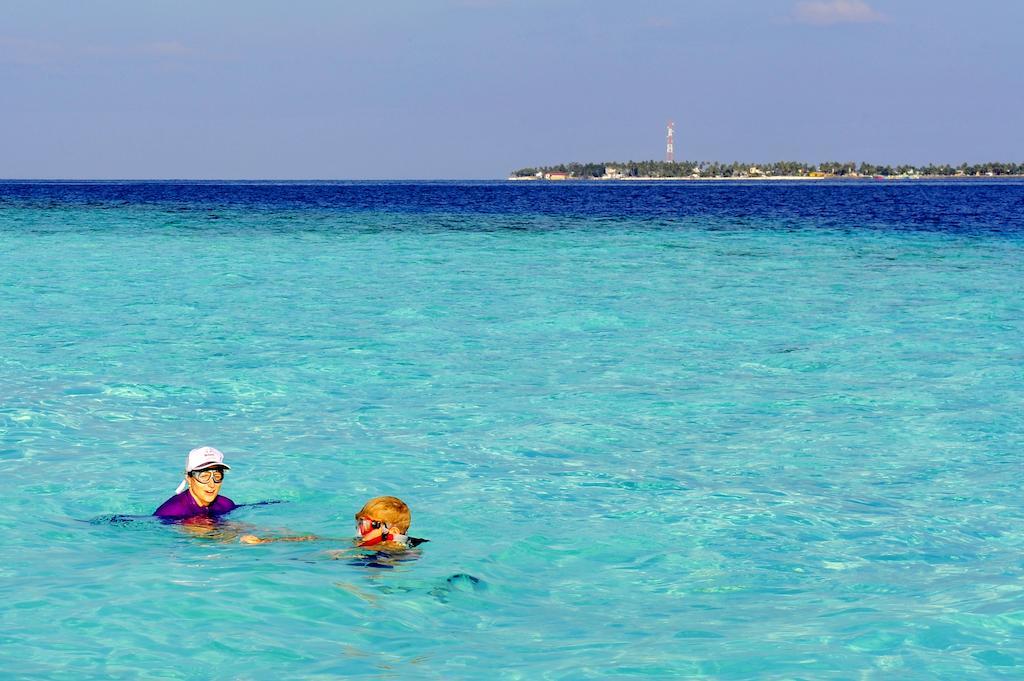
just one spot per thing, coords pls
(184, 506)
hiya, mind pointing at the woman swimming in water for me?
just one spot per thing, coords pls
(199, 492)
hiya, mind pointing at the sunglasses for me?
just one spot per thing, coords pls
(205, 476)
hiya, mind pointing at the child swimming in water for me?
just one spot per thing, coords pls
(382, 523)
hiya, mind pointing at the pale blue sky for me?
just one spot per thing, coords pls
(475, 88)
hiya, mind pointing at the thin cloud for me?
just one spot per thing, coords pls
(831, 12)
(27, 52)
(660, 22)
(168, 49)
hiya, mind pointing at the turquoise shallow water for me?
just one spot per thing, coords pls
(752, 446)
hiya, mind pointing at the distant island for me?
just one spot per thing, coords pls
(780, 170)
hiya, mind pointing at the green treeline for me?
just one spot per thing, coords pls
(776, 169)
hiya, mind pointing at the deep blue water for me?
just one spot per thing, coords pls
(960, 207)
(719, 429)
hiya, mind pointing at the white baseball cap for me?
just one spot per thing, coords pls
(204, 457)
(200, 459)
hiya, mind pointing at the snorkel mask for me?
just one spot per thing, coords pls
(372, 532)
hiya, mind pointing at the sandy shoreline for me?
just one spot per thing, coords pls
(676, 179)
(669, 179)
(769, 178)
(729, 179)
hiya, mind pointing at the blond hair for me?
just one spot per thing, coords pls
(391, 510)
